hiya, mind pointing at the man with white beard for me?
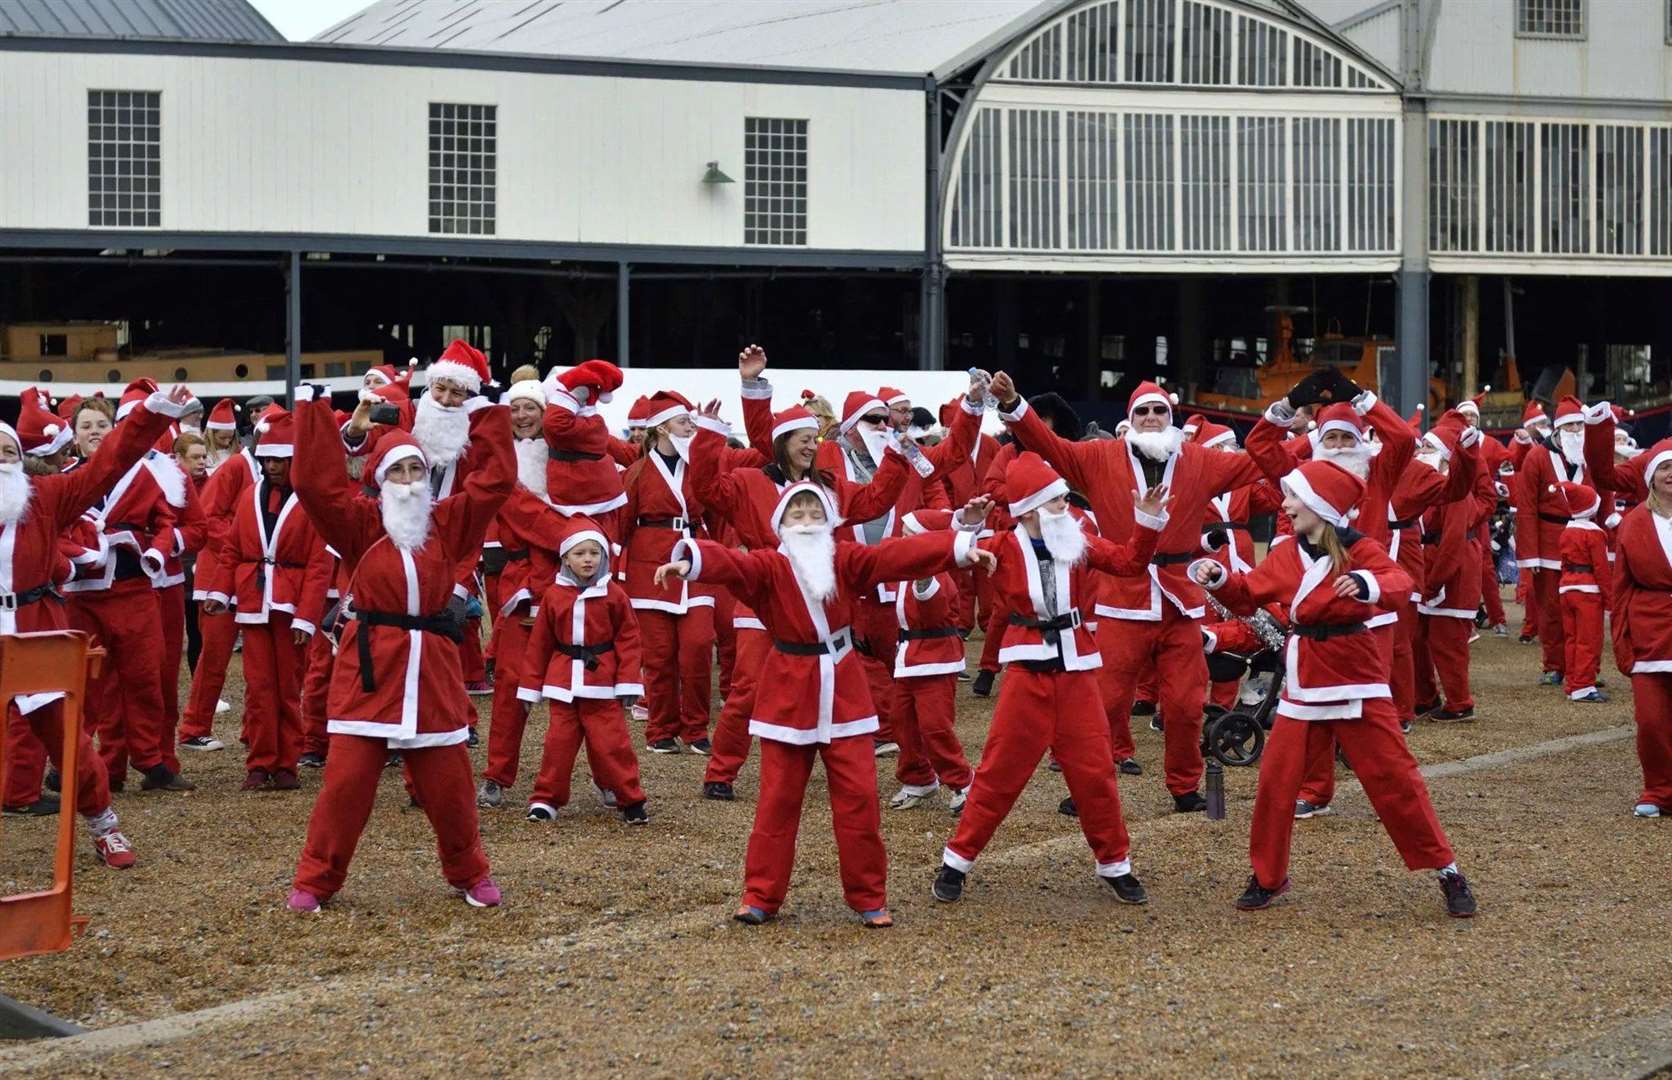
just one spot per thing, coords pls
(1153, 619)
(396, 684)
(1540, 517)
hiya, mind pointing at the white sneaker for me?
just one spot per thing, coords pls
(887, 749)
(1304, 810)
(911, 795)
(605, 798)
(202, 742)
(640, 714)
(222, 707)
(960, 795)
(1646, 809)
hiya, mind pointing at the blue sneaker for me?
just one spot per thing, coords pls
(1550, 678)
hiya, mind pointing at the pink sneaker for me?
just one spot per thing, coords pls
(114, 850)
(303, 902)
(482, 894)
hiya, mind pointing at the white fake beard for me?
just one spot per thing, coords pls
(1434, 460)
(811, 550)
(1156, 445)
(14, 493)
(1355, 459)
(876, 443)
(442, 431)
(532, 456)
(682, 446)
(1573, 445)
(1064, 536)
(1624, 451)
(406, 513)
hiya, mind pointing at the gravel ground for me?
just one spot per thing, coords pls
(614, 952)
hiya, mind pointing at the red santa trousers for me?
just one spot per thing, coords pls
(1491, 592)
(219, 633)
(127, 698)
(1384, 766)
(471, 661)
(1036, 710)
(1549, 604)
(441, 777)
(509, 717)
(1442, 646)
(316, 689)
(603, 725)
(1174, 645)
(1318, 785)
(1581, 640)
(46, 727)
(272, 694)
(993, 638)
(725, 639)
(678, 670)
(850, 769)
(924, 711)
(876, 633)
(25, 761)
(1652, 695)
(1402, 676)
(731, 732)
(171, 608)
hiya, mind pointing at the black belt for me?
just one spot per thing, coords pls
(14, 601)
(445, 623)
(1554, 519)
(1044, 667)
(1431, 538)
(261, 570)
(1404, 523)
(667, 523)
(587, 654)
(1051, 628)
(1175, 558)
(926, 635)
(128, 565)
(575, 455)
(1325, 631)
(122, 526)
(840, 640)
(495, 559)
(1215, 526)
(1580, 567)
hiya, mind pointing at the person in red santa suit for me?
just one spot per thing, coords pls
(121, 544)
(1585, 590)
(34, 511)
(1050, 696)
(813, 702)
(582, 477)
(583, 661)
(397, 683)
(676, 619)
(393, 387)
(927, 664)
(1153, 619)
(1332, 579)
(1450, 586)
(1494, 464)
(276, 569)
(1539, 523)
(964, 483)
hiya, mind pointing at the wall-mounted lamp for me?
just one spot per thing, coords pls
(715, 176)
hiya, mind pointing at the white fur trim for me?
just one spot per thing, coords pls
(454, 371)
(1039, 498)
(800, 423)
(1297, 485)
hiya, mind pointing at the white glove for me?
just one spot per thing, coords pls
(1612, 520)
(151, 561)
(1470, 437)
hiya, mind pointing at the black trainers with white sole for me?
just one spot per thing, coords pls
(701, 747)
(1127, 888)
(663, 746)
(635, 813)
(1257, 897)
(718, 790)
(1130, 767)
(1460, 899)
(203, 743)
(1189, 803)
(949, 885)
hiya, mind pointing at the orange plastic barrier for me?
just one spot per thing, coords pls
(58, 661)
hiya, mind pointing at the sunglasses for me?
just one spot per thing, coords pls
(1151, 410)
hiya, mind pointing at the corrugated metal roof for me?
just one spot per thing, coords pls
(183, 20)
(898, 36)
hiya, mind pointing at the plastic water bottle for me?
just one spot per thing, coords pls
(983, 380)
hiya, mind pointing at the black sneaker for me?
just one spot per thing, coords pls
(1143, 708)
(204, 743)
(1130, 767)
(1067, 808)
(1427, 709)
(1127, 889)
(393, 761)
(1453, 716)
(1156, 723)
(634, 814)
(313, 759)
(45, 806)
(718, 790)
(983, 684)
(1257, 896)
(161, 778)
(701, 747)
(541, 812)
(1404, 727)
(1189, 803)
(1526, 639)
(474, 740)
(1460, 900)
(949, 885)
(663, 746)
(53, 781)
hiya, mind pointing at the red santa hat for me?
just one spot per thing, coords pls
(891, 397)
(1579, 499)
(392, 446)
(67, 407)
(856, 405)
(461, 363)
(134, 396)
(919, 522)
(665, 405)
(1150, 393)
(581, 529)
(1444, 435)
(1472, 405)
(1416, 420)
(1030, 483)
(1340, 417)
(389, 376)
(278, 435)
(1211, 434)
(794, 418)
(1570, 410)
(1193, 424)
(1327, 490)
(1658, 454)
(600, 377)
(831, 517)
(223, 417)
(526, 390)
(39, 431)
(636, 414)
(1534, 414)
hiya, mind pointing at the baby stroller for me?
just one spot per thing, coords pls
(1236, 737)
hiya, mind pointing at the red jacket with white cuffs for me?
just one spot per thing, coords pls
(930, 643)
(1642, 613)
(274, 561)
(662, 510)
(135, 527)
(1585, 557)
(581, 477)
(1333, 662)
(585, 643)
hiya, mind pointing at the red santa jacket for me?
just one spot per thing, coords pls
(274, 561)
(1107, 472)
(930, 643)
(219, 501)
(132, 529)
(662, 510)
(582, 477)
(1584, 552)
(1451, 560)
(1642, 618)
(812, 688)
(1230, 513)
(1332, 661)
(1539, 516)
(416, 694)
(585, 642)
(529, 531)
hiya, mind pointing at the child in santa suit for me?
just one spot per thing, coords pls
(583, 660)
(1332, 580)
(1584, 590)
(812, 701)
(1050, 697)
(926, 668)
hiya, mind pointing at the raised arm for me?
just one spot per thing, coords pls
(568, 425)
(710, 477)
(1399, 444)
(1629, 482)
(1222, 472)
(1129, 559)
(347, 520)
(954, 451)
(1268, 443)
(1075, 461)
(864, 565)
(68, 495)
(865, 502)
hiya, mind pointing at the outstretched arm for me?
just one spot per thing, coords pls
(1599, 456)
(69, 495)
(746, 573)
(346, 520)
(903, 558)
(1129, 559)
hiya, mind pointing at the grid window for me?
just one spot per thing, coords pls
(1034, 190)
(774, 181)
(1091, 44)
(1453, 185)
(1149, 41)
(1660, 191)
(1510, 213)
(1093, 198)
(1261, 217)
(1207, 44)
(1565, 151)
(464, 168)
(1619, 189)
(1205, 152)
(1550, 18)
(1317, 152)
(977, 216)
(1370, 186)
(124, 159)
(1149, 182)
